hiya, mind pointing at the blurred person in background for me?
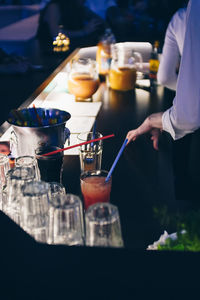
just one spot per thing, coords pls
(80, 24)
(101, 7)
(130, 20)
(172, 49)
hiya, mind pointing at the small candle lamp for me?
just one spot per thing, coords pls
(61, 42)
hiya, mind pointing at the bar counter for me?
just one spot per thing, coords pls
(143, 181)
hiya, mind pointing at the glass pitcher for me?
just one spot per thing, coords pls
(125, 65)
(83, 80)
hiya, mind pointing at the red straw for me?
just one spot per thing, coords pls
(84, 143)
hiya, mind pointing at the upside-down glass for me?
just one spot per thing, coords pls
(50, 166)
(90, 154)
(16, 177)
(4, 167)
(34, 210)
(56, 189)
(103, 226)
(83, 79)
(125, 65)
(28, 161)
(94, 188)
(66, 221)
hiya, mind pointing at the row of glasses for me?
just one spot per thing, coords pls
(46, 213)
(61, 221)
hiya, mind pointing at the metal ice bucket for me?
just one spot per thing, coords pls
(25, 139)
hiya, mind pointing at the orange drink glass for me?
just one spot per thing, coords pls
(83, 79)
(94, 188)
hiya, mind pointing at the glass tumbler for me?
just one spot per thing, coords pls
(16, 177)
(103, 226)
(50, 166)
(90, 154)
(4, 167)
(66, 221)
(35, 209)
(94, 188)
(28, 161)
(56, 189)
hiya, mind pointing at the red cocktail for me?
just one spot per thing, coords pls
(94, 188)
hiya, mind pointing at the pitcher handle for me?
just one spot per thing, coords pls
(67, 135)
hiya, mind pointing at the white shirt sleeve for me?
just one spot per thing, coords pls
(184, 116)
(172, 50)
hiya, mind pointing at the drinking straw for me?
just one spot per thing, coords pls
(84, 143)
(116, 160)
(93, 132)
(37, 116)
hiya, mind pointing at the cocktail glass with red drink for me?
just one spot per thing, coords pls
(94, 188)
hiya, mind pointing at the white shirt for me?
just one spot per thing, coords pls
(172, 50)
(184, 116)
(100, 6)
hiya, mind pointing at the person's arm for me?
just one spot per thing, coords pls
(152, 124)
(167, 71)
(184, 116)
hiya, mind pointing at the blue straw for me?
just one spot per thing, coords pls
(94, 132)
(116, 160)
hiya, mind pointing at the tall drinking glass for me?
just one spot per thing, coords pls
(16, 177)
(90, 154)
(94, 188)
(56, 189)
(35, 209)
(103, 226)
(50, 166)
(66, 221)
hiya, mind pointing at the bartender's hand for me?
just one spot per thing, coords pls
(152, 124)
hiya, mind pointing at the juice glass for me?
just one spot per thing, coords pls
(83, 79)
(94, 188)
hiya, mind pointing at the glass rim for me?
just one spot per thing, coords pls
(42, 186)
(113, 213)
(94, 172)
(12, 176)
(66, 204)
(51, 149)
(88, 132)
(19, 158)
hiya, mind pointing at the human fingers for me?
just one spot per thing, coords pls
(131, 136)
(155, 138)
